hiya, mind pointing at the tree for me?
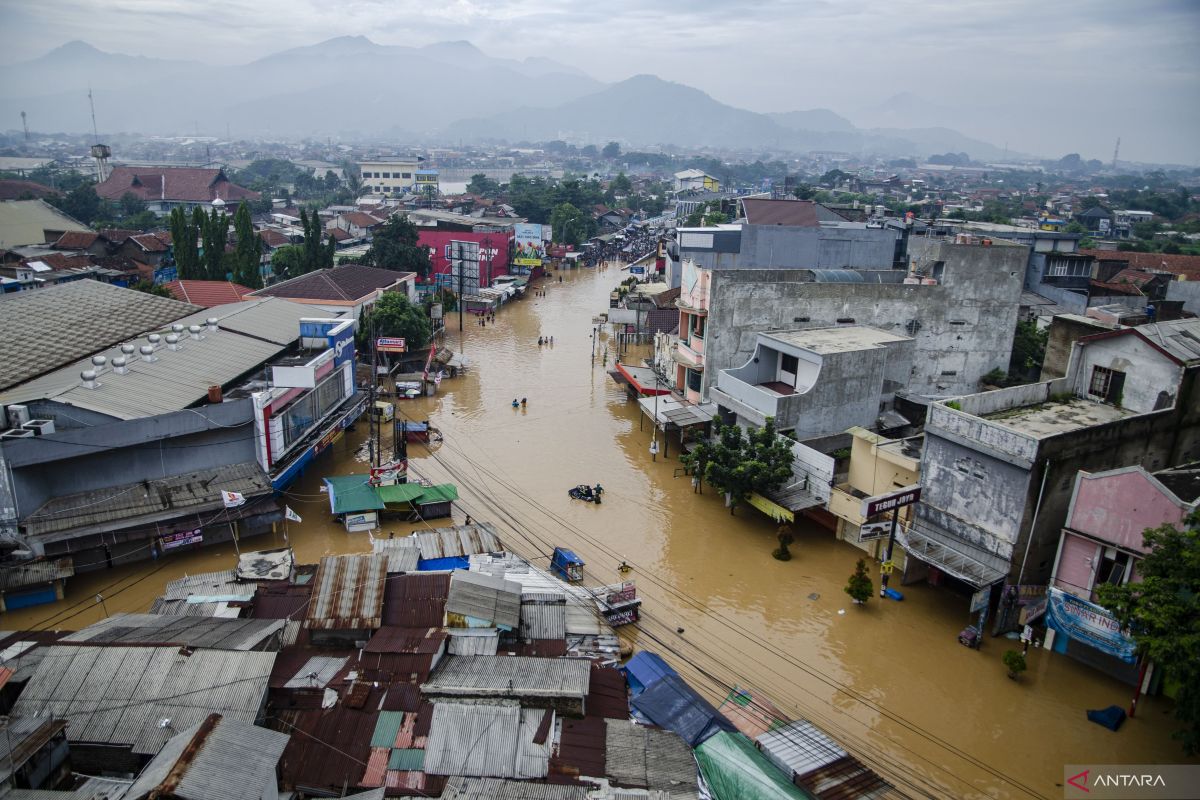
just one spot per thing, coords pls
(859, 586)
(621, 186)
(804, 192)
(215, 234)
(82, 203)
(611, 150)
(394, 315)
(740, 464)
(248, 253)
(156, 289)
(784, 534)
(1014, 662)
(569, 224)
(483, 186)
(131, 204)
(1029, 349)
(395, 247)
(288, 261)
(1162, 613)
(183, 242)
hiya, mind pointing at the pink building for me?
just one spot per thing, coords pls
(694, 296)
(1102, 540)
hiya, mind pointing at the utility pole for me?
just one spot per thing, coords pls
(25, 125)
(887, 555)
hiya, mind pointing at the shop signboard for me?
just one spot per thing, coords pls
(1088, 623)
(362, 522)
(882, 503)
(870, 531)
(181, 539)
(391, 344)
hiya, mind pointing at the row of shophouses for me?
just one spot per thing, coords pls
(1030, 496)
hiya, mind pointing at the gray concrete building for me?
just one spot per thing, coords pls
(817, 382)
(960, 310)
(998, 468)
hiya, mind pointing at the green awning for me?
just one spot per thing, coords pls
(350, 494)
(440, 493)
(400, 493)
(735, 770)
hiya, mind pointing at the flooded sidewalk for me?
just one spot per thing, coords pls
(888, 680)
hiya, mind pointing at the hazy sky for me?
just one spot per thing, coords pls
(1045, 76)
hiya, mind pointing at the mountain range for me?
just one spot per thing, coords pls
(450, 91)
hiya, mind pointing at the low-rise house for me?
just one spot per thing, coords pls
(695, 179)
(347, 604)
(493, 741)
(212, 633)
(878, 465)
(207, 294)
(1102, 543)
(358, 224)
(34, 754)
(553, 683)
(349, 288)
(166, 188)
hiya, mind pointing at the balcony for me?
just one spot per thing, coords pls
(695, 304)
(757, 401)
(687, 356)
(846, 502)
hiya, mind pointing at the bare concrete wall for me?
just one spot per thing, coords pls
(963, 327)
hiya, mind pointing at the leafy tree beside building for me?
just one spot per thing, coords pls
(248, 252)
(394, 246)
(739, 463)
(394, 315)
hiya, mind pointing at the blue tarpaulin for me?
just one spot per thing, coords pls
(438, 564)
(644, 669)
(670, 703)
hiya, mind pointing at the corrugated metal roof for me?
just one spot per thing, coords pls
(473, 641)
(799, 747)
(43, 330)
(376, 771)
(90, 789)
(459, 788)
(399, 559)
(484, 597)
(310, 762)
(117, 695)
(268, 318)
(416, 600)
(486, 741)
(348, 593)
(215, 633)
(223, 582)
(36, 572)
(173, 381)
(510, 676)
(387, 726)
(317, 672)
(541, 620)
(649, 758)
(394, 639)
(165, 498)
(407, 759)
(460, 540)
(218, 759)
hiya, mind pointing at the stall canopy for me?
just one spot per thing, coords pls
(735, 770)
(644, 670)
(670, 703)
(352, 494)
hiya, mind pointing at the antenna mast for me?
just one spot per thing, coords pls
(1116, 152)
(92, 103)
(25, 125)
(100, 152)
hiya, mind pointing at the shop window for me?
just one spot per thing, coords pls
(1113, 567)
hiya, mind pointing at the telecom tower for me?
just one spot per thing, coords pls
(1116, 152)
(100, 152)
(25, 125)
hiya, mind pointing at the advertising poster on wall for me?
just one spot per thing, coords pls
(1088, 623)
(529, 250)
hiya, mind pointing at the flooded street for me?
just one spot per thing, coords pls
(888, 679)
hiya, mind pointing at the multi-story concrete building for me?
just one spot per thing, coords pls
(816, 382)
(998, 468)
(878, 465)
(960, 309)
(392, 176)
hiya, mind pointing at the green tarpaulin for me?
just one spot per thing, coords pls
(400, 493)
(351, 494)
(440, 493)
(735, 770)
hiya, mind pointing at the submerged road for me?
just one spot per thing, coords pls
(888, 680)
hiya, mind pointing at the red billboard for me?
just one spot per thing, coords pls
(493, 251)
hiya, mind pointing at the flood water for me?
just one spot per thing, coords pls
(888, 680)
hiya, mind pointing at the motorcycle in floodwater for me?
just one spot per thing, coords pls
(586, 493)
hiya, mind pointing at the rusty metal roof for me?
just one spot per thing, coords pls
(581, 749)
(216, 633)
(309, 762)
(486, 741)
(415, 601)
(649, 758)
(394, 639)
(36, 572)
(348, 593)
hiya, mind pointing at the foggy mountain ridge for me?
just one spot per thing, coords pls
(350, 85)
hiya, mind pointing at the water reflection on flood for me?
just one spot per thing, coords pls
(888, 679)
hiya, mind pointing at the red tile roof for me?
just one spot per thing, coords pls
(117, 235)
(208, 293)
(273, 238)
(150, 243)
(1135, 277)
(63, 260)
(360, 219)
(339, 235)
(349, 282)
(179, 184)
(17, 190)
(76, 240)
(1101, 288)
(1187, 266)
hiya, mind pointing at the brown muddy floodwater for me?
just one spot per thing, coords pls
(889, 680)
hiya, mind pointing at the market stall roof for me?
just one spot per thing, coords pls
(350, 494)
(733, 767)
(670, 703)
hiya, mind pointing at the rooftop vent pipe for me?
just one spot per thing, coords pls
(148, 353)
(119, 365)
(194, 330)
(89, 379)
(154, 339)
(213, 324)
(173, 342)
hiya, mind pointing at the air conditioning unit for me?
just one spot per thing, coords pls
(17, 433)
(18, 415)
(41, 427)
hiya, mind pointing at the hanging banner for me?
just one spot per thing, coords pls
(391, 344)
(870, 531)
(1088, 623)
(181, 539)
